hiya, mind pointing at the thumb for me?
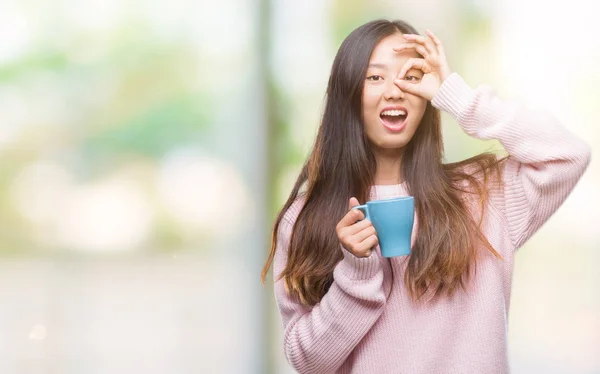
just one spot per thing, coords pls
(412, 88)
(353, 202)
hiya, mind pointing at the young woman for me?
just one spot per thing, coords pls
(444, 307)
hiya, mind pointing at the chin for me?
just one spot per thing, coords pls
(389, 144)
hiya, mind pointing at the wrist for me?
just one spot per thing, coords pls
(445, 75)
(358, 268)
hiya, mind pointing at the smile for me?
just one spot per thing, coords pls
(394, 118)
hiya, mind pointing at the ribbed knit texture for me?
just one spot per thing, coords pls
(367, 322)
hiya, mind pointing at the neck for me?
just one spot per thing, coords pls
(388, 169)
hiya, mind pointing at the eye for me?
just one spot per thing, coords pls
(375, 78)
(411, 78)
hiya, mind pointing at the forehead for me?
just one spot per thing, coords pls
(385, 54)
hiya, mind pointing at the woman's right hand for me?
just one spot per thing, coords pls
(359, 238)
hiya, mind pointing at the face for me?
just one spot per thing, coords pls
(390, 115)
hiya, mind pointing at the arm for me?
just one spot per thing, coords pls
(319, 339)
(545, 159)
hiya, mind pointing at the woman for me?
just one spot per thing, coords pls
(443, 308)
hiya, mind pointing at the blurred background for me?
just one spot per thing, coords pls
(146, 146)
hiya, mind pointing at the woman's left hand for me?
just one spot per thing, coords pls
(433, 64)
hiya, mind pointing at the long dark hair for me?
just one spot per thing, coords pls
(341, 165)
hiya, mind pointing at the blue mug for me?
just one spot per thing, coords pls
(393, 220)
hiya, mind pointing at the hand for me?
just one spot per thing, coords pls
(433, 64)
(359, 238)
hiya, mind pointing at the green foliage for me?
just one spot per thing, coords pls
(154, 131)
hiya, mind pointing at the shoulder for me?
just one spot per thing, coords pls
(483, 171)
(478, 181)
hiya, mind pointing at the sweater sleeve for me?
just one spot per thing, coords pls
(545, 160)
(319, 339)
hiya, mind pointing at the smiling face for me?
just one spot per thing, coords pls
(390, 116)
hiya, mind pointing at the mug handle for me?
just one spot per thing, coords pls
(365, 209)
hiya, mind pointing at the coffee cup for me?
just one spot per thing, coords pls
(393, 220)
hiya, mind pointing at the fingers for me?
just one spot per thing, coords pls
(365, 233)
(412, 63)
(357, 237)
(417, 47)
(358, 226)
(351, 227)
(369, 243)
(352, 216)
(405, 86)
(436, 41)
(426, 42)
(361, 243)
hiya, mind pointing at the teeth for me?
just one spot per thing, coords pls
(394, 113)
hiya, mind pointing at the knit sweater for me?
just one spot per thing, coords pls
(367, 321)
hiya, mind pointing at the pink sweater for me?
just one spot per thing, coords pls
(367, 323)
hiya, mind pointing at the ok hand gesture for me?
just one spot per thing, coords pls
(433, 64)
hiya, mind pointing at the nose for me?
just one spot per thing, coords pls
(392, 91)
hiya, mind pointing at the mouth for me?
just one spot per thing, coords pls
(394, 119)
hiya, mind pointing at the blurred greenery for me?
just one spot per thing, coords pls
(130, 100)
(153, 131)
(45, 60)
(347, 15)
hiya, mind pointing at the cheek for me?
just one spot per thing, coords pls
(370, 99)
(419, 105)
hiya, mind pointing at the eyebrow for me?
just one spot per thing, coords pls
(384, 66)
(376, 65)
